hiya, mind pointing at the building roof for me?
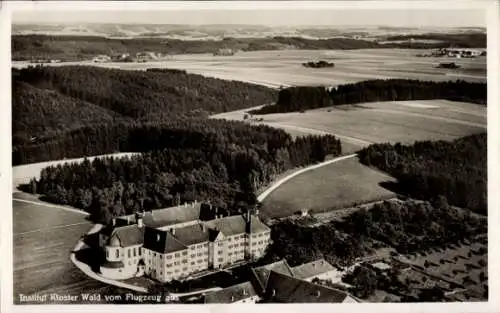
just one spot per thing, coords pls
(193, 234)
(213, 234)
(113, 264)
(231, 294)
(161, 241)
(312, 269)
(129, 235)
(283, 288)
(262, 273)
(168, 216)
(236, 224)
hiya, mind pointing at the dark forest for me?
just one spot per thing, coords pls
(295, 99)
(456, 170)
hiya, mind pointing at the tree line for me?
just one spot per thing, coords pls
(408, 226)
(319, 64)
(457, 169)
(301, 98)
(146, 95)
(55, 108)
(217, 160)
(71, 48)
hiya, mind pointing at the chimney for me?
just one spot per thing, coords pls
(138, 218)
(172, 231)
(244, 292)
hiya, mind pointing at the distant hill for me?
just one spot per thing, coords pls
(221, 31)
(52, 102)
(145, 94)
(86, 47)
(44, 112)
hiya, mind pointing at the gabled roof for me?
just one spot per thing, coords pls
(161, 241)
(283, 288)
(236, 224)
(229, 226)
(193, 234)
(257, 226)
(213, 234)
(168, 216)
(312, 269)
(129, 235)
(231, 294)
(262, 273)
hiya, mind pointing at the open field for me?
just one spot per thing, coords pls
(283, 67)
(43, 239)
(400, 121)
(334, 186)
(22, 174)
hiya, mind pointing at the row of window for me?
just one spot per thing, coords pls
(235, 253)
(134, 251)
(236, 245)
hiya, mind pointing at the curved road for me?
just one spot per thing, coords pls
(280, 182)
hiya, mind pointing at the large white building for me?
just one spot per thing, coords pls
(174, 243)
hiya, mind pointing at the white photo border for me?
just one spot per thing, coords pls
(491, 9)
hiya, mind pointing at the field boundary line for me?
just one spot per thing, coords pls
(280, 182)
(49, 228)
(51, 206)
(353, 140)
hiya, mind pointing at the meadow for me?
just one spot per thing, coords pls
(284, 67)
(360, 125)
(331, 187)
(43, 239)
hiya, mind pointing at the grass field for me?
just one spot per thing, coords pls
(400, 121)
(333, 186)
(283, 68)
(43, 239)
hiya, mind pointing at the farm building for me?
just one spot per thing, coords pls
(278, 282)
(224, 52)
(241, 293)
